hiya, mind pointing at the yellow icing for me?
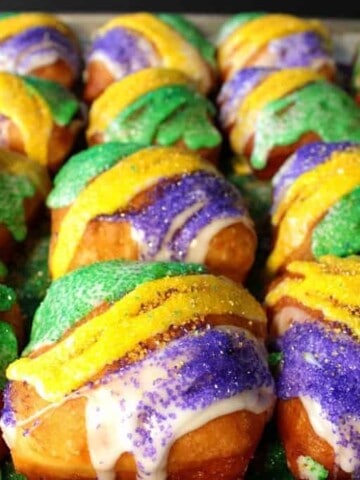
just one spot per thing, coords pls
(143, 313)
(113, 189)
(308, 199)
(17, 164)
(247, 39)
(331, 285)
(174, 50)
(30, 114)
(274, 87)
(10, 26)
(121, 94)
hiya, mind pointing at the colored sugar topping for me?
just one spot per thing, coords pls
(192, 381)
(125, 52)
(36, 47)
(149, 310)
(313, 108)
(7, 298)
(166, 116)
(74, 296)
(174, 50)
(236, 21)
(254, 107)
(235, 90)
(122, 94)
(338, 232)
(3, 270)
(329, 362)
(8, 347)
(63, 105)
(83, 167)
(255, 34)
(14, 24)
(308, 199)
(304, 159)
(29, 112)
(330, 286)
(308, 468)
(145, 167)
(14, 190)
(178, 211)
(300, 50)
(192, 35)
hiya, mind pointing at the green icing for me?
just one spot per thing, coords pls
(3, 270)
(83, 167)
(313, 468)
(338, 233)
(235, 21)
(62, 103)
(319, 107)
(14, 189)
(166, 116)
(8, 350)
(72, 297)
(8, 472)
(192, 34)
(7, 298)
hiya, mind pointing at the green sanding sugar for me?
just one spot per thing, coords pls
(7, 298)
(72, 297)
(319, 107)
(310, 469)
(236, 21)
(14, 189)
(8, 350)
(166, 116)
(191, 34)
(62, 103)
(338, 233)
(8, 472)
(3, 270)
(80, 169)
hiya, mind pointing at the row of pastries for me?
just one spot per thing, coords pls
(147, 357)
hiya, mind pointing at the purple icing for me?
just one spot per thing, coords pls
(306, 158)
(126, 50)
(324, 365)
(235, 90)
(201, 368)
(23, 50)
(219, 199)
(299, 50)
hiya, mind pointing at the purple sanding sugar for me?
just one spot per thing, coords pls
(126, 49)
(200, 369)
(235, 90)
(324, 365)
(305, 159)
(299, 50)
(23, 49)
(7, 413)
(217, 198)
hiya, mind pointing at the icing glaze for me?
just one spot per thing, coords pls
(168, 227)
(235, 21)
(105, 108)
(36, 47)
(83, 167)
(137, 317)
(329, 389)
(308, 199)
(14, 24)
(141, 169)
(249, 37)
(166, 116)
(75, 295)
(310, 109)
(174, 50)
(329, 286)
(265, 95)
(339, 231)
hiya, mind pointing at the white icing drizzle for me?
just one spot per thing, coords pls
(345, 457)
(199, 247)
(286, 317)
